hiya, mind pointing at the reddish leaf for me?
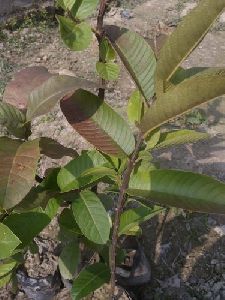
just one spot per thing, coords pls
(96, 121)
(23, 83)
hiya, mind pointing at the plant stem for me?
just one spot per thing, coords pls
(99, 35)
(119, 210)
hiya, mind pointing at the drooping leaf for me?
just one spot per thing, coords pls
(27, 225)
(136, 216)
(178, 137)
(107, 53)
(8, 241)
(90, 279)
(188, 94)
(69, 259)
(84, 8)
(70, 176)
(91, 217)
(181, 189)
(13, 119)
(77, 37)
(96, 121)
(6, 267)
(187, 36)
(18, 166)
(108, 70)
(24, 82)
(137, 56)
(55, 150)
(136, 107)
(44, 98)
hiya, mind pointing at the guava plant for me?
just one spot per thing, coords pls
(121, 157)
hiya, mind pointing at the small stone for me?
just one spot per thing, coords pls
(220, 230)
(1, 46)
(45, 58)
(214, 261)
(126, 14)
(38, 59)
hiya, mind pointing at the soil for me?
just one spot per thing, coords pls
(186, 250)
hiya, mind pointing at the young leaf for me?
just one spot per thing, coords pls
(136, 107)
(69, 259)
(27, 225)
(152, 139)
(188, 94)
(66, 4)
(8, 241)
(178, 137)
(13, 119)
(6, 267)
(44, 98)
(91, 217)
(187, 36)
(52, 207)
(180, 189)
(96, 121)
(136, 216)
(90, 279)
(84, 8)
(108, 70)
(137, 56)
(70, 176)
(107, 53)
(55, 150)
(18, 166)
(76, 36)
(23, 83)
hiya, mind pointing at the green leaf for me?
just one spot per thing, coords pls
(18, 166)
(90, 279)
(135, 216)
(188, 94)
(84, 8)
(99, 172)
(46, 96)
(178, 137)
(23, 83)
(6, 267)
(66, 4)
(136, 107)
(52, 207)
(107, 53)
(8, 241)
(76, 37)
(55, 150)
(27, 225)
(70, 176)
(91, 217)
(69, 259)
(187, 36)
(96, 121)
(152, 139)
(182, 74)
(67, 220)
(137, 56)
(4, 280)
(108, 71)
(135, 230)
(181, 189)
(13, 119)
